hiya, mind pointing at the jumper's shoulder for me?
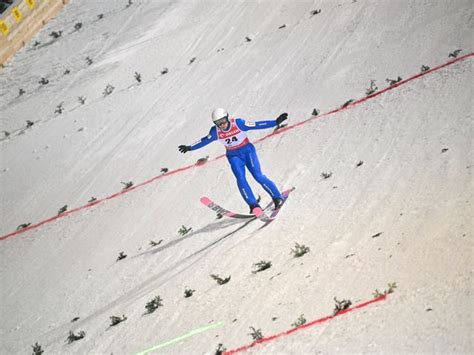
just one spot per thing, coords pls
(213, 132)
(239, 121)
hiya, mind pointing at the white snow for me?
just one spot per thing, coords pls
(409, 187)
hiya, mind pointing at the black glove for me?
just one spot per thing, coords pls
(281, 118)
(184, 148)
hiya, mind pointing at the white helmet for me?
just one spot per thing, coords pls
(219, 113)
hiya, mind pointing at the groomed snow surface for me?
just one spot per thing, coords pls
(397, 207)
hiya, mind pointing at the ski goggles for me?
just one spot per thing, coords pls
(222, 121)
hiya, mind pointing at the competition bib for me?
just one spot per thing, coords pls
(233, 138)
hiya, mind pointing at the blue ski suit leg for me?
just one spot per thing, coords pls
(247, 157)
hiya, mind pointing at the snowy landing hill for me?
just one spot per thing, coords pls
(383, 187)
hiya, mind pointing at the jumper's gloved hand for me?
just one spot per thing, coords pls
(281, 118)
(184, 148)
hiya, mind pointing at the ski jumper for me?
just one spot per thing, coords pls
(240, 154)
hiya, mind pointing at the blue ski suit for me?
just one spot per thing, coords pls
(241, 154)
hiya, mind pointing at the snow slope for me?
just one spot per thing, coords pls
(414, 186)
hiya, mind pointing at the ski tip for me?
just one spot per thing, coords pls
(205, 200)
(287, 191)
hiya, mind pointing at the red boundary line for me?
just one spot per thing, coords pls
(96, 202)
(280, 131)
(361, 100)
(306, 325)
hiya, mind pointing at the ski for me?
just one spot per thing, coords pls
(264, 217)
(221, 211)
(261, 215)
(257, 212)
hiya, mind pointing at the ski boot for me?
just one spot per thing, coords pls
(278, 202)
(255, 205)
